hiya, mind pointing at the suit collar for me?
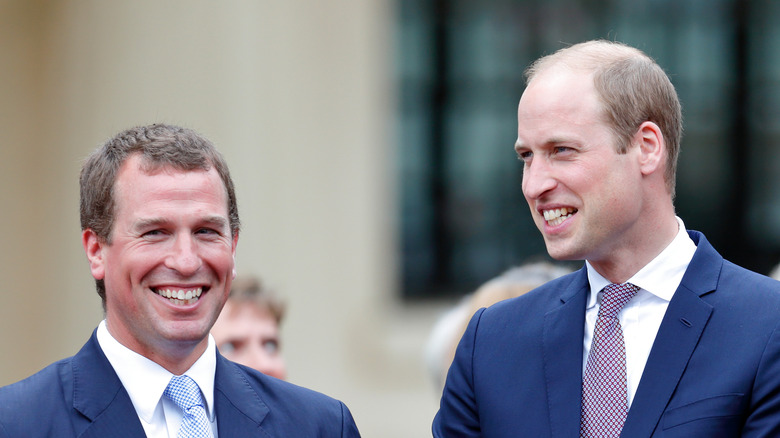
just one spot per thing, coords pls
(99, 396)
(704, 271)
(679, 333)
(682, 326)
(145, 380)
(239, 407)
(106, 408)
(578, 282)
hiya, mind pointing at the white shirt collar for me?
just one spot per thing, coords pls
(145, 381)
(661, 277)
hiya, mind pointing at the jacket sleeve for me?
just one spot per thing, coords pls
(458, 415)
(764, 417)
(349, 428)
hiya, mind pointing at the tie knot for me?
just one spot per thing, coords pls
(614, 297)
(184, 392)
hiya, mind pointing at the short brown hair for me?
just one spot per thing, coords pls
(633, 89)
(160, 146)
(251, 290)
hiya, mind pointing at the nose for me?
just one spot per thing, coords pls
(184, 257)
(538, 179)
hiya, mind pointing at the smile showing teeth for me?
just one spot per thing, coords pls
(556, 216)
(180, 296)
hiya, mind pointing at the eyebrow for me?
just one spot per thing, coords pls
(553, 141)
(215, 221)
(148, 223)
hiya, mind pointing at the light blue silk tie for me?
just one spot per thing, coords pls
(186, 394)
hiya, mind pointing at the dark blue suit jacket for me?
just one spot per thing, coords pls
(713, 371)
(82, 397)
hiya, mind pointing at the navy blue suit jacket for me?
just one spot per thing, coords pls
(82, 397)
(713, 371)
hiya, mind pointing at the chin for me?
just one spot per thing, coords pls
(558, 252)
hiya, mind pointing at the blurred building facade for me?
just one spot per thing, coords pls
(460, 75)
(371, 145)
(297, 95)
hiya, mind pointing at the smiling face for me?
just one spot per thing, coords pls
(169, 265)
(584, 197)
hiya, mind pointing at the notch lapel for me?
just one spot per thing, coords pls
(679, 334)
(677, 338)
(118, 420)
(562, 344)
(99, 396)
(239, 408)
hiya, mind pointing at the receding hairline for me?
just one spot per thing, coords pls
(588, 56)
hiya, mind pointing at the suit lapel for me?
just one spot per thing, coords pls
(562, 344)
(238, 406)
(118, 420)
(99, 396)
(679, 333)
(106, 409)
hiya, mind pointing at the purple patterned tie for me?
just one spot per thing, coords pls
(604, 387)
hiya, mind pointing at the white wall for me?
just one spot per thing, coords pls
(298, 95)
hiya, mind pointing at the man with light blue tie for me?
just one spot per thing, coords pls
(160, 226)
(657, 335)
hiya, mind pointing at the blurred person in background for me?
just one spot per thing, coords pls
(775, 272)
(449, 328)
(247, 330)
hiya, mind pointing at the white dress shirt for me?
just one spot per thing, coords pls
(145, 381)
(641, 317)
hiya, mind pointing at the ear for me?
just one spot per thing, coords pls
(93, 246)
(652, 147)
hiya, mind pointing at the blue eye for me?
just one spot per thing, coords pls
(226, 348)
(152, 233)
(209, 233)
(271, 346)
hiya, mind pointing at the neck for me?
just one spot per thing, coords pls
(175, 356)
(178, 362)
(622, 263)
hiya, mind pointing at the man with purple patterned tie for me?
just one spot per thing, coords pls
(160, 227)
(657, 335)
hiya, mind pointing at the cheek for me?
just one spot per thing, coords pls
(608, 182)
(220, 259)
(136, 266)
